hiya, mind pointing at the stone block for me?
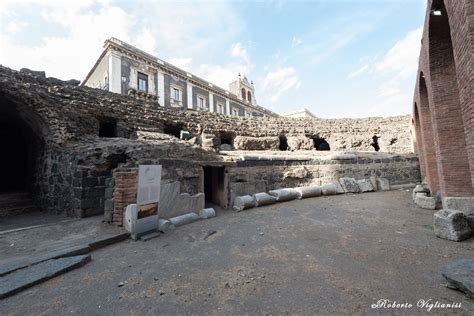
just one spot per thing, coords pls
(339, 189)
(243, 202)
(207, 213)
(373, 180)
(462, 204)
(383, 184)
(426, 202)
(460, 275)
(365, 186)
(284, 194)
(174, 203)
(263, 198)
(451, 225)
(329, 189)
(470, 220)
(349, 185)
(307, 192)
(108, 205)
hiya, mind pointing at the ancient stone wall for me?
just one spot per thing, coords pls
(84, 108)
(93, 141)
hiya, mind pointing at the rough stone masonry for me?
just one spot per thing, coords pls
(76, 149)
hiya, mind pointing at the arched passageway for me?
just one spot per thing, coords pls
(419, 140)
(451, 152)
(428, 137)
(21, 144)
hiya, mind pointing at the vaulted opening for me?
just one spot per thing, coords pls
(22, 147)
(214, 186)
(320, 144)
(172, 129)
(226, 138)
(428, 137)
(283, 143)
(107, 127)
(455, 177)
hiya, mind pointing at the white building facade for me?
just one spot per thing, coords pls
(125, 69)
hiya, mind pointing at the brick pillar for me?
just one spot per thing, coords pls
(453, 164)
(419, 141)
(427, 139)
(125, 192)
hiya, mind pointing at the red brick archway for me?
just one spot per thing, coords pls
(427, 137)
(450, 143)
(419, 140)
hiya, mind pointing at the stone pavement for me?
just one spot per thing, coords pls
(31, 241)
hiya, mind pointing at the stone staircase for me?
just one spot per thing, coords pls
(15, 203)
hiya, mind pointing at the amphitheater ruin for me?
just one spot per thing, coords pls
(82, 147)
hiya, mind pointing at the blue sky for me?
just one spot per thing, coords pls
(337, 58)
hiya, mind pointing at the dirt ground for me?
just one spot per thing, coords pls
(325, 255)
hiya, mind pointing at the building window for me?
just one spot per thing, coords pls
(176, 94)
(220, 108)
(249, 96)
(243, 94)
(235, 112)
(201, 103)
(248, 114)
(142, 82)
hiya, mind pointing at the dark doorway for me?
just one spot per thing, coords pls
(227, 138)
(214, 186)
(283, 143)
(20, 147)
(172, 129)
(321, 144)
(108, 127)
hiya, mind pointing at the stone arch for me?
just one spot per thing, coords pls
(244, 94)
(249, 96)
(427, 136)
(23, 141)
(453, 164)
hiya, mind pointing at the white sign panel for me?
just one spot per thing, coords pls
(149, 184)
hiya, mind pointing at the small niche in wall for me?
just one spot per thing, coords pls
(107, 127)
(172, 129)
(321, 144)
(226, 138)
(283, 143)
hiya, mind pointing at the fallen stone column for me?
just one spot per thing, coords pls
(283, 195)
(165, 226)
(207, 213)
(451, 225)
(184, 219)
(329, 189)
(307, 192)
(243, 202)
(263, 198)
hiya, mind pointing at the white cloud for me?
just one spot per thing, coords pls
(145, 41)
(358, 72)
(396, 73)
(296, 42)
(277, 82)
(238, 51)
(402, 58)
(183, 63)
(73, 54)
(222, 75)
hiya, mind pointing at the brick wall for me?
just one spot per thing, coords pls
(125, 192)
(444, 94)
